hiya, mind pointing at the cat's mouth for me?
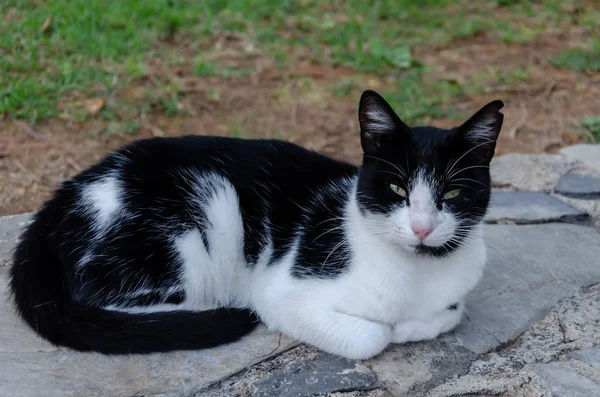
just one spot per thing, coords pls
(422, 246)
(435, 251)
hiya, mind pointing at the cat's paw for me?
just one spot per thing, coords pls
(410, 331)
(369, 340)
(416, 330)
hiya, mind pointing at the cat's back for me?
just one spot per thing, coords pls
(229, 156)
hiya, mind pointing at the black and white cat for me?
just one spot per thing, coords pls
(185, 243)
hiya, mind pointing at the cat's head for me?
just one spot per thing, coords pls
(424, 188)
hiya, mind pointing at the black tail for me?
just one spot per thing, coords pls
(43, 300)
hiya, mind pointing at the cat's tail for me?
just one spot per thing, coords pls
(43, 300)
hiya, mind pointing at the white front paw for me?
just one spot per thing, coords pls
(408, 331)
(415, 330)
(368, 341)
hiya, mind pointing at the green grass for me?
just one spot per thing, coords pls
(97, 48)
(592, 124)
(580, 59)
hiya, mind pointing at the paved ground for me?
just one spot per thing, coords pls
(532, 326)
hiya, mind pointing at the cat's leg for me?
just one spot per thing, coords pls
(428, 328)
(329, 330)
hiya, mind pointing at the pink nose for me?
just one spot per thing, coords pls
(422, 231)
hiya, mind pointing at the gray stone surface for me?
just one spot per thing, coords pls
(578, 186)
(516, 369)
(537, 172)
(14, 336)
(535, 272)
(63, 373)
(530, 207)
(530, 269)
(9, 232)
(241, 384)
(590, 356)
(414, 368)
(565, 381)
(591, 207)
(323, 374)
(585, 153)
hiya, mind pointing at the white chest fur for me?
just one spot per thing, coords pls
(390, 285)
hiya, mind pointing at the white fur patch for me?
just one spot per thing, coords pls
(379, 121)
(211, 277)
(482, 130)
(103, 199)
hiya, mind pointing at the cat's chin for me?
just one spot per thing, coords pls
(439, 251)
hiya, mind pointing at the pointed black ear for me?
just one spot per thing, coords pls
(483, 128)
(378, 121)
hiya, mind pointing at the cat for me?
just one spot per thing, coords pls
(190, 242)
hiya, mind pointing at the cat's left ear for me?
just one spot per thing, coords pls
(483, 128)
(378, 122)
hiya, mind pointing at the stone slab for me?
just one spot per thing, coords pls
(14, 335)
(530, 269)
(415, 368)
(514, 368)
(590, 356)
(9, 232)
(530, 207)
(586, 153)
(64, 373)
(565, 381)
(578, 186)
(324, 374)
(590, 207)
(535, 172)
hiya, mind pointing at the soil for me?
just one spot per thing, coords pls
(542, 112)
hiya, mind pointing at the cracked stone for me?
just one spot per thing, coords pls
(325, 374)
(514, 369)
(370, 393)
(412, 369)
(530, 207)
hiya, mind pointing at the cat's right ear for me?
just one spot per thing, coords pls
(378, 122)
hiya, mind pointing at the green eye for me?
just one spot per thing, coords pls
(450, 194)
(398, 190)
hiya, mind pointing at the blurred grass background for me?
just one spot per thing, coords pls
(85, 76)
(54, 48)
